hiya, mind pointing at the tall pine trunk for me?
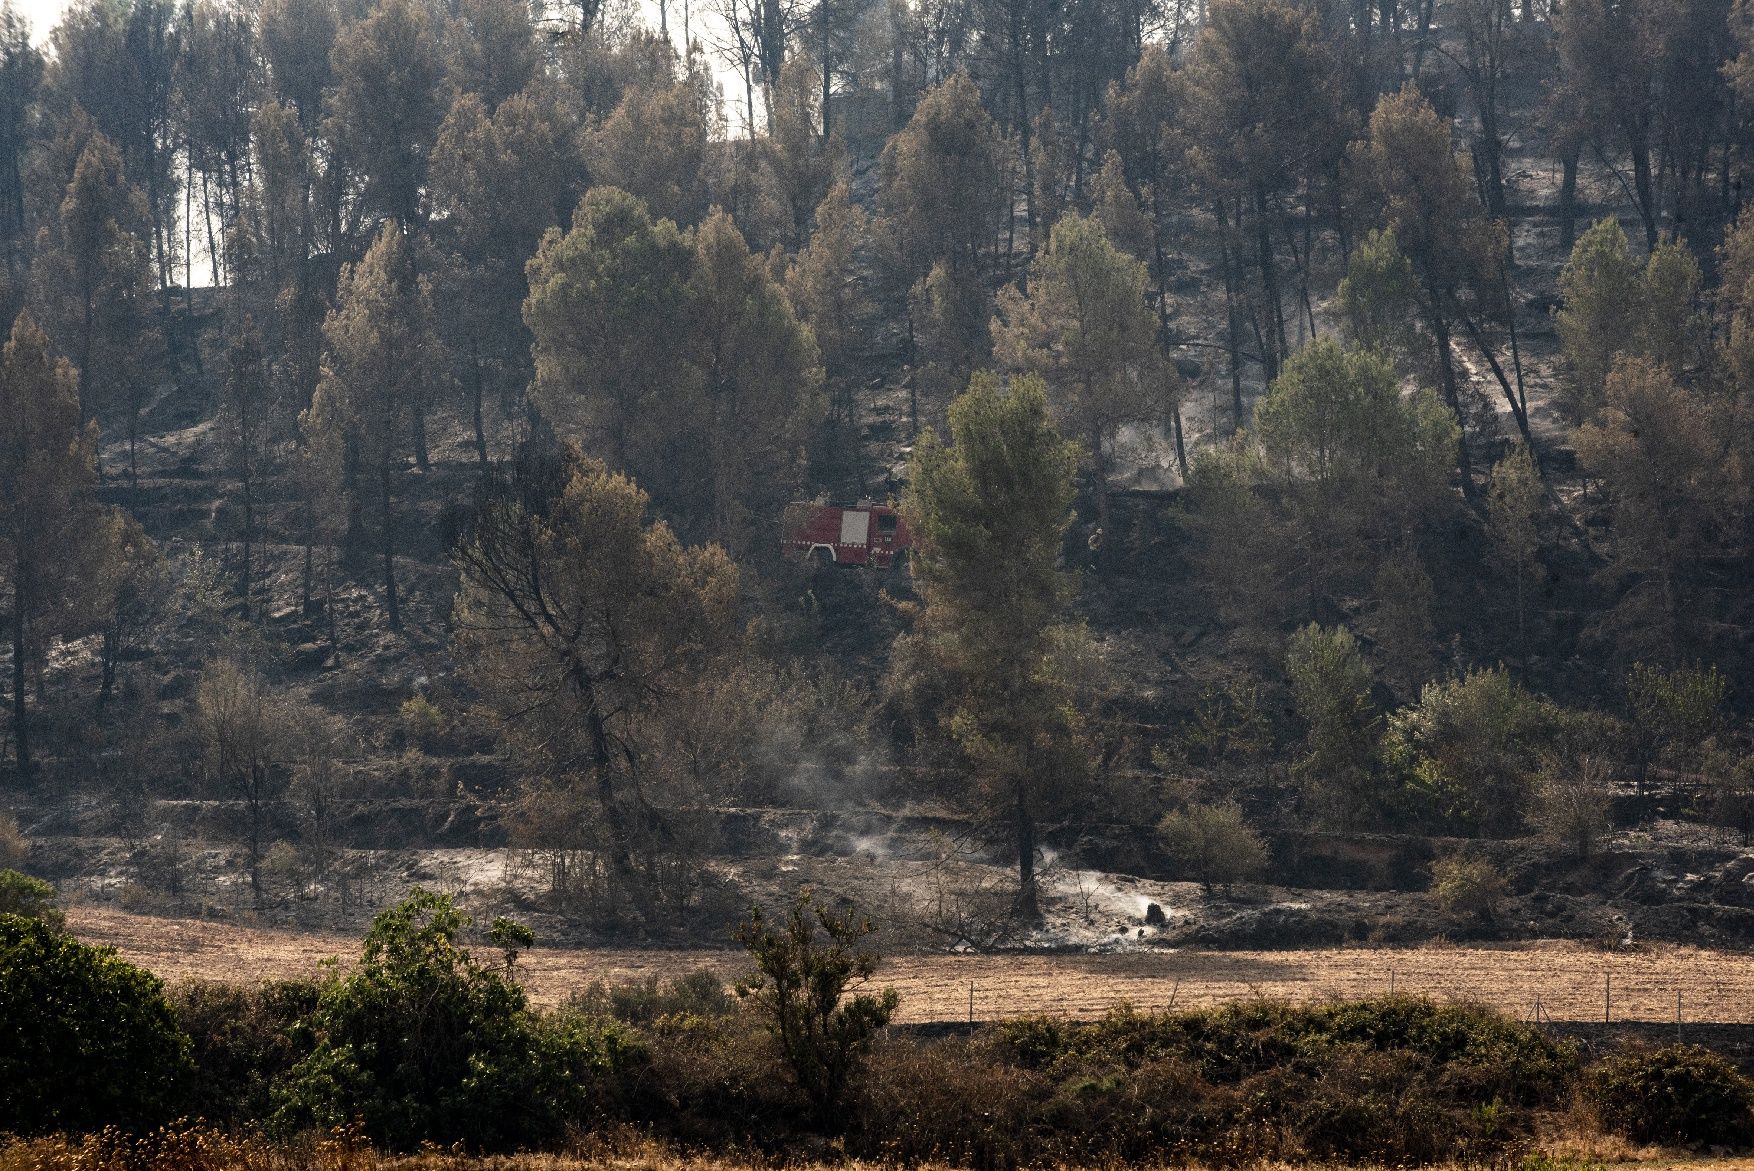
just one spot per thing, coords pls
(20, 712)
(1446, 367)
(1020, 99)
(1231, 326)
(247, 486)
(1027, 905)
(475, 388)
(392, 604)
(1274, 349)
(1644, 189)
(1568, 198)
(1161, 264)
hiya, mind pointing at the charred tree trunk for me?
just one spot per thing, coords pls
(827, 67)
(310, 535)
(1020, 97)
(350, 477)
(1099, 473)
(108, 655)
(1492, 148)
(1425, 14)
(1161, 264)
(1644, 189)
(392, 605)
(1027, 905)
(20, 709)
(621, 857)
(420, 457)
(257, 785)
(1181, 451)
(475, 388)
(1274, 351)
(1517, 411)
(1446, 366)
(1231, 326)
(247, 491)
(1568, 198)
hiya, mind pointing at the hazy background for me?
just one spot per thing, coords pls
(703, 23)
(42, 15)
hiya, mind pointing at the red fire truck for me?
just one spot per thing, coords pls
(839, 534)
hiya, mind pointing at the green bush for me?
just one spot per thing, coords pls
(1213, 844)
(422, 1044)
(1466, 750)
(1468, 886)
(643, 1002)
(87, 1040)
(1678, 1095)
(423, 724)
(29, 898)
(805, 990)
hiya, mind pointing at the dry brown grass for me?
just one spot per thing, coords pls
(1567, 978)
(198, 1148)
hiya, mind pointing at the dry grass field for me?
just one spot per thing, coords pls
(198, 1149)
(1568, 979)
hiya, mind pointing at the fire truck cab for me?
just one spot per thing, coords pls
(860, 534)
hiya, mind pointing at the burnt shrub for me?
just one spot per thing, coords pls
(953, 1101)
(713, 1081)
(973, 1103)
(1476, 1052)
(1678, 1095)
(245, 1038)
(1396, 1080)
(1389, 1107)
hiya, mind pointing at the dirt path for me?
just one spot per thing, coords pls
(1568, 979)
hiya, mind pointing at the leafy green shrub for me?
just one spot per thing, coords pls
(1468, 886)
(422, 1044)
(1330, 686)
(422, 722)
(642, 1002)
(1466, 750)
(1680, 1094)
(88, 1039)
(1213, 843)
(805, 971)
(29, 898)
(1675, 712)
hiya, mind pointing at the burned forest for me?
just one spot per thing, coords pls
(956, 476)
(993, 460)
